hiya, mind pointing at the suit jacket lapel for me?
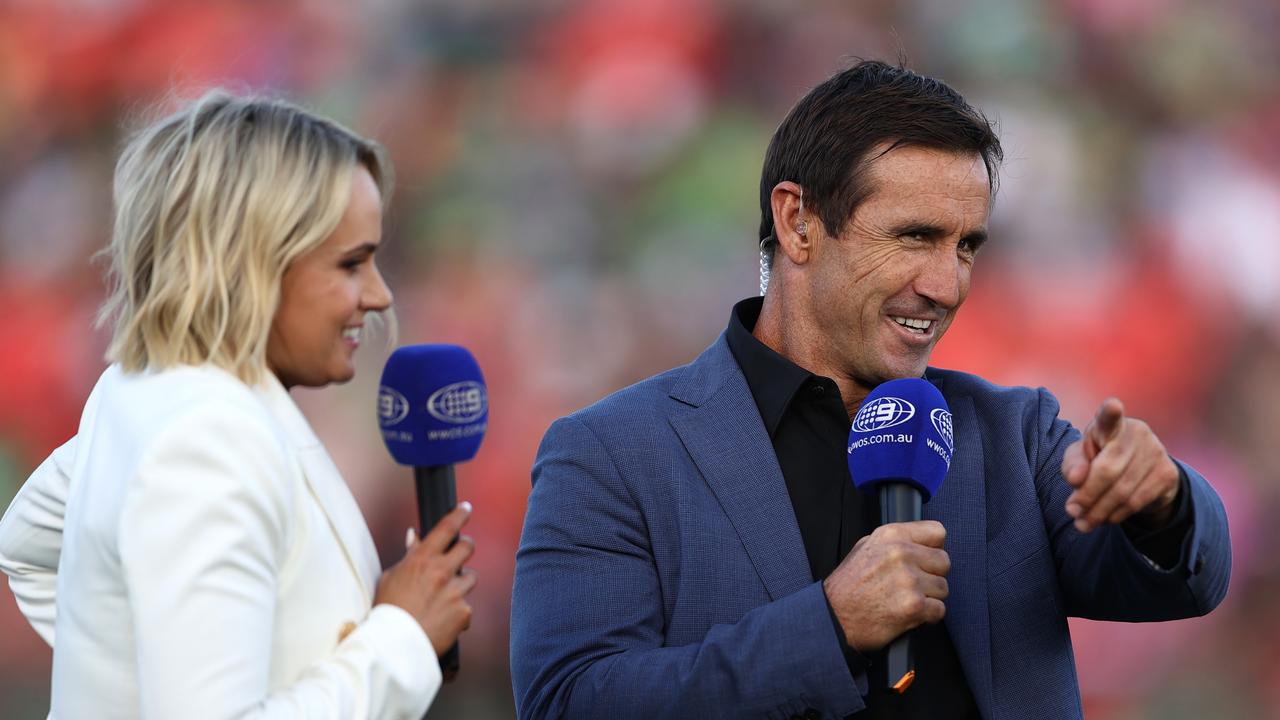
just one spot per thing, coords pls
(721, 429)
(960, 506)
(327, 486)
(720, 426)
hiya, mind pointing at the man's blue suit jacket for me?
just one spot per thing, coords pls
(661, 572)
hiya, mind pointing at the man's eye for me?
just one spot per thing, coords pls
(970, 247)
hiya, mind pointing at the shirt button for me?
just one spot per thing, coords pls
(817, 390)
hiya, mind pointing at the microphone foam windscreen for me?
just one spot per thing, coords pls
(902, 433)
(432, 407)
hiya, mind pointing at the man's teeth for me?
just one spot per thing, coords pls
(351, 333)
(914, 325)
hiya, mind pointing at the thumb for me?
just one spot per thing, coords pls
(1105, 425)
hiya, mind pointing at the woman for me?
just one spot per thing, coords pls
(193, 551)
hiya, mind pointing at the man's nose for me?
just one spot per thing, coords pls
(944, 278)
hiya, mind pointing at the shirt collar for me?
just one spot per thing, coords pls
(772, 379)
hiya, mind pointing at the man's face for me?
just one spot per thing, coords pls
(889, 286)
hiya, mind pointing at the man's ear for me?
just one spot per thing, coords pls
(791, 222)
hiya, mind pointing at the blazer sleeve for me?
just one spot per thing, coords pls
(1102, 575)
(587, 621)
(204, 532)
(31, 539)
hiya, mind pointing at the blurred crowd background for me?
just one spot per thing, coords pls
(576, 201)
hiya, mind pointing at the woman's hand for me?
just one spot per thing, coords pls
(430, 583)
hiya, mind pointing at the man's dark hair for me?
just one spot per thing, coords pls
(825, 143)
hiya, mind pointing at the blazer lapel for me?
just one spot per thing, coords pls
(327, 486)
(960, 506)
(721, 429)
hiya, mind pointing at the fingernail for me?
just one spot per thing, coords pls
(409, 537)
(1082, 525)
(465, 505)
(1073, 510)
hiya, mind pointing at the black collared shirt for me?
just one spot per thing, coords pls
(809, 426)
(806, 419)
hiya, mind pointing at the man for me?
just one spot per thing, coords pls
(694, 546)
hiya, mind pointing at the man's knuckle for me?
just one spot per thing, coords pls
(1108, 467)
(913, 605)
(937, 611)
(904, 583)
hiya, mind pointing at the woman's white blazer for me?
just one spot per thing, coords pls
(194, 553)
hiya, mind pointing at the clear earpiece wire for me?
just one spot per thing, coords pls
(764, 269)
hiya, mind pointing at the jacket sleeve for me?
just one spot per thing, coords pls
(587, 617)
(31, 539)
(203, 535)
(1102, 575)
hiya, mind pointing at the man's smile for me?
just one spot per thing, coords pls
(915, 325)
(915, 332)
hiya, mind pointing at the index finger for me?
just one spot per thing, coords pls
(926, 532)
(447, 529)
(1106, 423)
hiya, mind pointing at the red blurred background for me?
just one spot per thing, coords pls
(576, 202)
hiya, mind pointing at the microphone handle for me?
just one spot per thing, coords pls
(900, 502)
(437, 495)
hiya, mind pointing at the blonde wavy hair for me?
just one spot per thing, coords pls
(212, 204)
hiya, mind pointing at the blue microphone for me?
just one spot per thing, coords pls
(900, 448)
(433, 410)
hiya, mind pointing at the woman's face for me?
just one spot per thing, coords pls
(325, 294)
